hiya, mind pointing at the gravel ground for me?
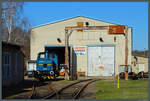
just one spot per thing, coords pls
(24, 89)
(88, 93)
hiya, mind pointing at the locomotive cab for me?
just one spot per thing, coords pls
(47, 65)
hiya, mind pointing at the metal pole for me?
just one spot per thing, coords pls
(118, 80)
(126, 52)
(66, 56)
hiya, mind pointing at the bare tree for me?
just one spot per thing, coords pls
(13, 22)
(15, 27)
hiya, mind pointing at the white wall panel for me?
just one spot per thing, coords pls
(100, 57)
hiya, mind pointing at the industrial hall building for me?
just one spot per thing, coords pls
(91, 52)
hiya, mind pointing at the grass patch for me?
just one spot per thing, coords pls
(131, 89)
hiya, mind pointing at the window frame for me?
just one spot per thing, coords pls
(16, 62)
(6, 64)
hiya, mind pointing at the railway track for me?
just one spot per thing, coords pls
(39, 91)
(71, 91)
(34, 92)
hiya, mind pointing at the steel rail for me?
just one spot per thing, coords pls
(35, 85)
(33, 91)
(58, 92)
(83, 87)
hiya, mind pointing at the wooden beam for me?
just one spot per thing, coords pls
(87, 28)
(66, 56)
(126, 52)
(71, 68)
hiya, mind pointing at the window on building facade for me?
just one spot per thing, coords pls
(22, 63)
(16, 62)
(6, 64)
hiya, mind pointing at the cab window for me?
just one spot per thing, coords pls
(42, 56)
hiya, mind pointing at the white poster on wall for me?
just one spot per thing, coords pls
(80, 50)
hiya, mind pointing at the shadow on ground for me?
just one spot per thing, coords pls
(24, 86)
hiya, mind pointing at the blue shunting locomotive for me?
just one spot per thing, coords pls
(47, 66)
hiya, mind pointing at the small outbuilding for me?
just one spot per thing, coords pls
(12, 64)
(139, 63)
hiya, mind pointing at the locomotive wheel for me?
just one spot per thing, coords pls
(122, 75)
(141, 74)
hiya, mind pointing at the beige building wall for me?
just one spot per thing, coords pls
(48, 34)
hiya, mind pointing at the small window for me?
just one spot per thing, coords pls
(22, 63)
(87, 24)
(58, 39)
(6, 64)
(16, 62)
(101, 39)
(42, 56)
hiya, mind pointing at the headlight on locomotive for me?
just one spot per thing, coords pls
(40, 64)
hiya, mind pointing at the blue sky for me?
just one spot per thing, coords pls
(133, 14)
